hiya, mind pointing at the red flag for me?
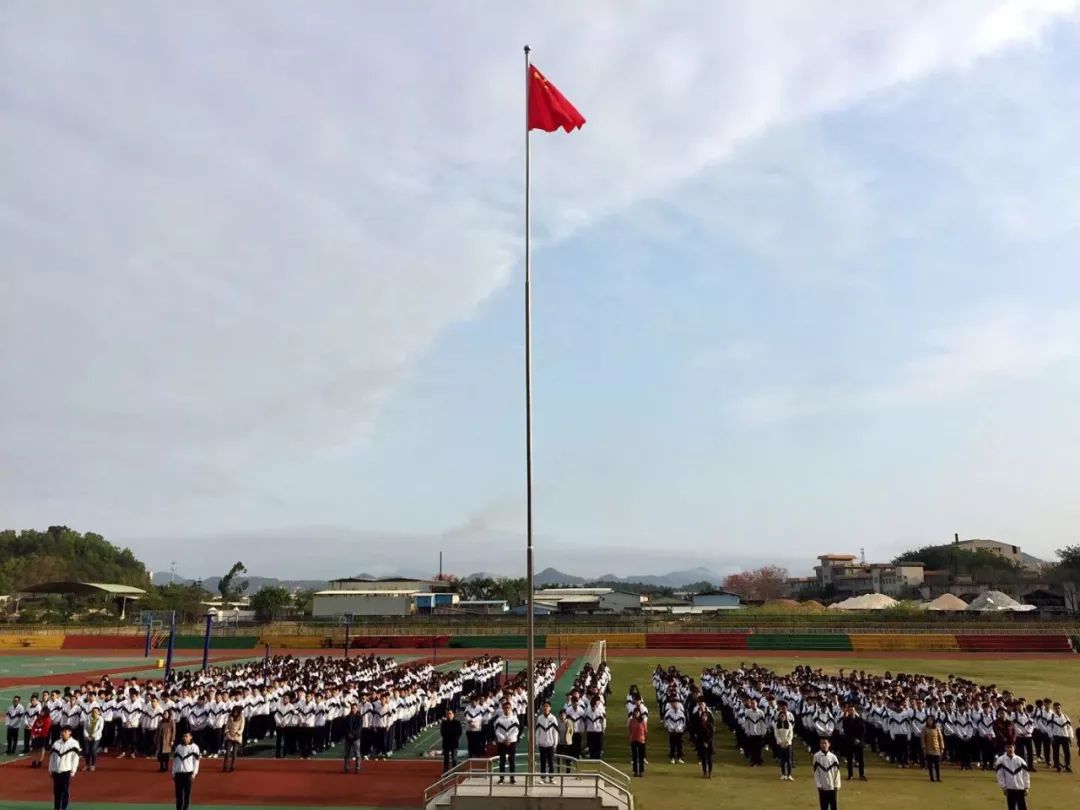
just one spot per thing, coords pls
(548, 108)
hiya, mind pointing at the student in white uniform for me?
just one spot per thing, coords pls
(507, 730)
(71, 715)
(1061, 738)
(784, 735)
(755, 733)
(34, 709)
(185, 768)
(1013, 778)
(675, 724)
(63, 764)
(15, 719)
(595, 725)
(474, 727)
(547, 737)
(1025, 729)
(131, 712)
(826, 776)
(576, 713)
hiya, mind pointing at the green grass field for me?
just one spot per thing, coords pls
(735, 785)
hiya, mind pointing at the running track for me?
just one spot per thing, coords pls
(301, 783)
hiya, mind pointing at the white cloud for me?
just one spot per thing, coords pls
(230, 230)
(1001, 343)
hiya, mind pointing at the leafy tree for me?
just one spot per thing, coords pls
(30, 557)
(984, 566)
(186, 600)
(476, 589)
(1066, 573)
(513, 590)
(767, 582)
(228, 587)
(304, 602)
(271, 601)
(632, 587)
(694, 587)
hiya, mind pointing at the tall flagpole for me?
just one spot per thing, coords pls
(530, 716)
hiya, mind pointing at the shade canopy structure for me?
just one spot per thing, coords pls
(86, 589)
(120, 593)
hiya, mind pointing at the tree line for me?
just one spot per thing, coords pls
(30, 557)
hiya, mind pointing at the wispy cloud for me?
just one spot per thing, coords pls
(1000, 344)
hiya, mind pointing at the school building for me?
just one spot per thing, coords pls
(850, 577)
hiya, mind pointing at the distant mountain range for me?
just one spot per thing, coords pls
(254, 583)
(546, 578)
(673, 579)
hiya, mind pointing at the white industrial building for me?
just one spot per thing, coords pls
(386, 596)
(589, 600)
(379, 602)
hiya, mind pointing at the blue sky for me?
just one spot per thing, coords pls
(804, 283)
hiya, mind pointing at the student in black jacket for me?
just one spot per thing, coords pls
(352, 730)
(450, 731)
(853, 731)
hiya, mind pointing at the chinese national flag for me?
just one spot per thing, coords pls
(548, 108)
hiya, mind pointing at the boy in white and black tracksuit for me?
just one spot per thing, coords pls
(547, 737)
(507, 730)
(675, 724)
(826, 776)
(185, 768)
(63, 765)
(15, 719)
(1061, 738)
(1013, 778)
(474, 728)
(755, 725)
(1025, 729)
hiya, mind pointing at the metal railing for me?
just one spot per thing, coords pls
(572, 777)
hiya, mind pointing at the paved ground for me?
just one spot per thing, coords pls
(256, 782)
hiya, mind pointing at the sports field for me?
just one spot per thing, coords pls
(262, 784)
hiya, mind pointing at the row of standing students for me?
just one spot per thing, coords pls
(65, 753)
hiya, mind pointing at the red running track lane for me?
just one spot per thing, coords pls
(299, 783)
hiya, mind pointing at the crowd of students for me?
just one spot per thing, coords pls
(497, 716)
(910, 720)
(907, 719)
(500, 718)
(373, 705)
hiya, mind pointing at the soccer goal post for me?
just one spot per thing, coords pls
(596, 652)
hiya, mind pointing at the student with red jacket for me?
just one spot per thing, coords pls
(39, 737)
(639, 730)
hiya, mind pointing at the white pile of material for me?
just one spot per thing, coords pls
(870, 601)
(947, 601)
(996, 600)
